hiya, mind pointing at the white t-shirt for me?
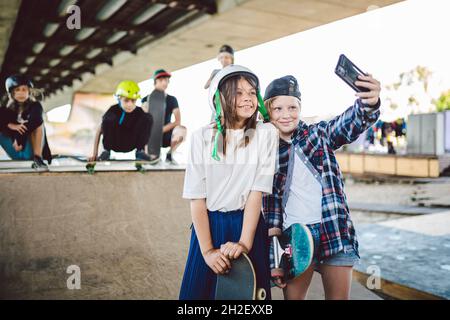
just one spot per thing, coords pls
(226, 183)
(304, 203)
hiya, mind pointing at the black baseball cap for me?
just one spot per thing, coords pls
(284, 86)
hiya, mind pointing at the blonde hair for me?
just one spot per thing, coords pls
(269, 103)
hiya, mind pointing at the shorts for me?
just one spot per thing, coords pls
(167, 139)
(348, 258)
(26, 154)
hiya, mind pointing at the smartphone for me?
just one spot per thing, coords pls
(349, 72)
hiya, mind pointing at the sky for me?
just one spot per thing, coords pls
(383, 42)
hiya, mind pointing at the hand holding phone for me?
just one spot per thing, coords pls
(367, 88)
(349, 72)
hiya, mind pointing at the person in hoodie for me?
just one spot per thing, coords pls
(22, 129)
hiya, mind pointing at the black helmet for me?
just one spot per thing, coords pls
(17, 80)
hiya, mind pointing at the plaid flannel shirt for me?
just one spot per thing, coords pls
(315, 145)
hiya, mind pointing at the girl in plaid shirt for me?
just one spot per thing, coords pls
(308, 186)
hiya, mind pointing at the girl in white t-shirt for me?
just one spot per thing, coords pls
(231, 164)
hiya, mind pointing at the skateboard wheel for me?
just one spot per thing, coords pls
(261, 294)
(90, 168)
(278, 272)
(275, 232)
(288, 251)
(139, 167)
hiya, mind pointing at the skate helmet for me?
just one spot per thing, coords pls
(214, 97)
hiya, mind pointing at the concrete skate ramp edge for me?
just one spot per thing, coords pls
(127, 232)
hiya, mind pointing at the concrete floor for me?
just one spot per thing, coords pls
(315, 292)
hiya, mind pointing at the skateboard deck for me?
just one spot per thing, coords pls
(117, 165)
(294, 250)
(24, 170)
(157, 108)
(19, 166)
(80, 164)
(240, 282)
(15, 164)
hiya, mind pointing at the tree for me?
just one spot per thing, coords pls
(443, 103)
(410, 94)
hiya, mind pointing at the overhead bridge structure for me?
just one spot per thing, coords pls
(70, 46)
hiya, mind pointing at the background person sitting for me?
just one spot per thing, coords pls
(22, 130)
(124, 126)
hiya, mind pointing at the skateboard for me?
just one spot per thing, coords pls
(35, 168)
(81, 164)
(20, 166)
(240, 282)
(128, 165)
(28, 166)
(293, 251)
(157, 108)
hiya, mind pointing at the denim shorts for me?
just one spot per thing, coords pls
(7, 144)
(348, 258)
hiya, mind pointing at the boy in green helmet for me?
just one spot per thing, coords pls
(124, 126)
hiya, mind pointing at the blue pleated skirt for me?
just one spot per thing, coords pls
(199, 281)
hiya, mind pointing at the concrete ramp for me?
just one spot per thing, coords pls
(128, 233)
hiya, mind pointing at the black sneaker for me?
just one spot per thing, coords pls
(104, 156)
(170, 160)
(38, 163)
(141, 155)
